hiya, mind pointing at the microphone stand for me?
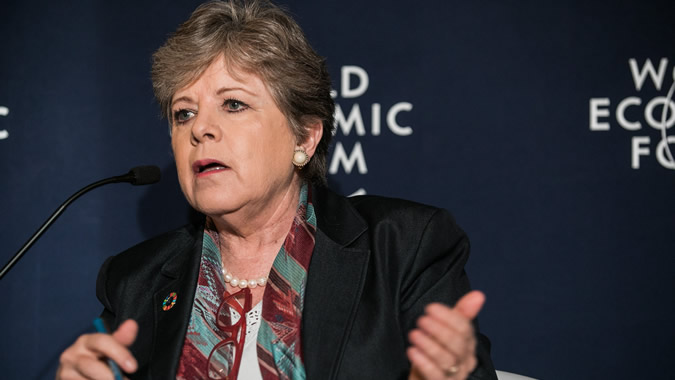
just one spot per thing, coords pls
(132, 177)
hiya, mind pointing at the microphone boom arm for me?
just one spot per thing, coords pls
(135, 176)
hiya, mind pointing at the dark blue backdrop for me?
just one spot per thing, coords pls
(525, 119)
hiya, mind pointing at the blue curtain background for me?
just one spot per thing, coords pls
(509, 114)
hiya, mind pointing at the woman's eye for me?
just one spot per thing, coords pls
(181, 116)
(234, 105)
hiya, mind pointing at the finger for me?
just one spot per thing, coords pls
(70, 374)
(470, 304)
(423, 366)
(448, 319)
(460, 342)
(86, 357)
(66, 372)
(470, 363)
(84, 367)
(90, 368)
(126, 333)
(467, 307)
(106, 346)
(432, 349)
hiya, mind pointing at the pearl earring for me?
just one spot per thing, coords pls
(300, 158)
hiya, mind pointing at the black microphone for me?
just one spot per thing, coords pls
(140, 175)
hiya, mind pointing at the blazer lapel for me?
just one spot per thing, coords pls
(170, 327)
(334, 283)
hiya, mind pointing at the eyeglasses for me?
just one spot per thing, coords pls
(225, 358)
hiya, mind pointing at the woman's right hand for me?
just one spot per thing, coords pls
(87, 357)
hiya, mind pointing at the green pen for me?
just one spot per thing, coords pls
(100, 327)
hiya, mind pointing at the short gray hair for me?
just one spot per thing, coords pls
(261, 38)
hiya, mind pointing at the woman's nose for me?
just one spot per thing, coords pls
(205, 127)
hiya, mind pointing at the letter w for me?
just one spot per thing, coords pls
(640, 76)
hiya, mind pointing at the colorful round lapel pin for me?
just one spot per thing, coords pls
(169, 301)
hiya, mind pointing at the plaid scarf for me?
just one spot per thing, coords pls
(279, 345)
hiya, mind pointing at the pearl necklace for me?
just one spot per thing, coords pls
(235, 282)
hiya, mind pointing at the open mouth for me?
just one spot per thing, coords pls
(205, 166)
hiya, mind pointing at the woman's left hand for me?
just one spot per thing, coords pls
(443, 346)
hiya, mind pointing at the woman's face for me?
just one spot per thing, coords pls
(232, 145)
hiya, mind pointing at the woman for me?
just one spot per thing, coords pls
(284, 279)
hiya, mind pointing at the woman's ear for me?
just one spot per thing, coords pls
(314, 133)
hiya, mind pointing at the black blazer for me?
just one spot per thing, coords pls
(377, 262)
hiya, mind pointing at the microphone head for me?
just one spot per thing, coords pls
(145, 175)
